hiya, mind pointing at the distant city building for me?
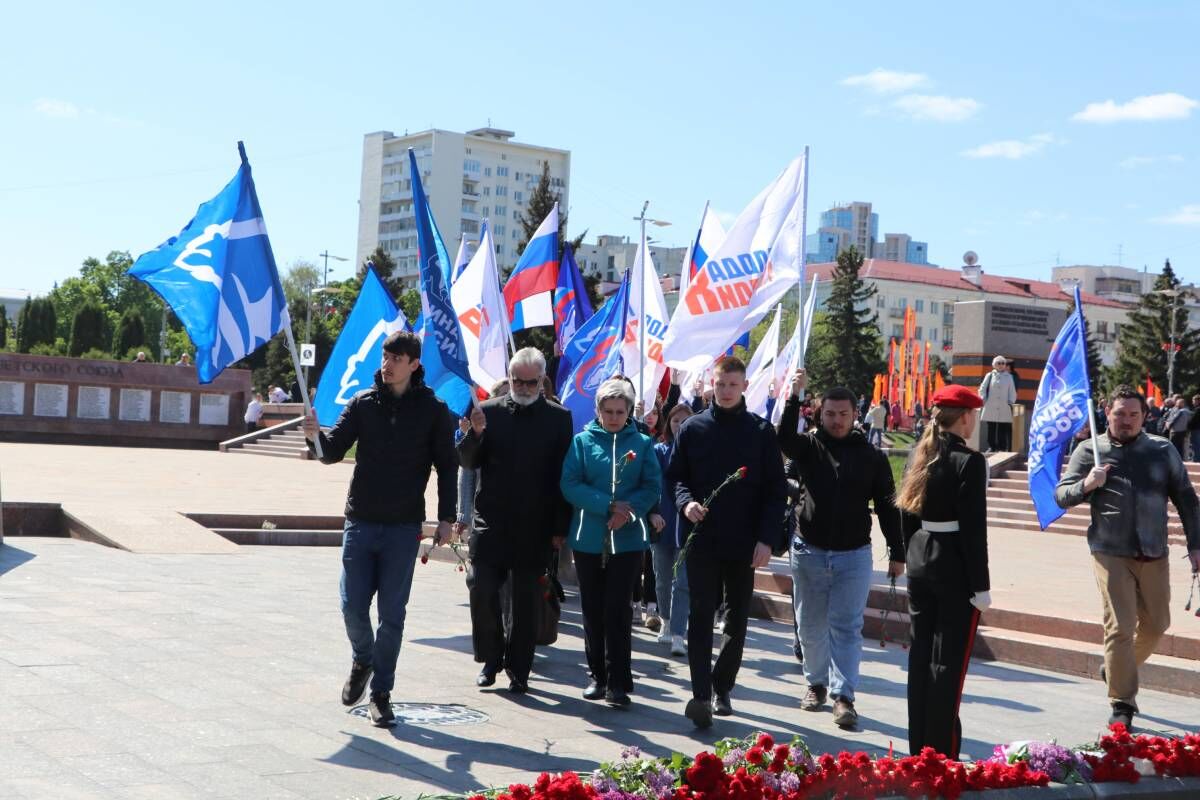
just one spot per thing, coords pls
(468, 177)
(856, 225)
(13, 300)
(1124, 284)
(611, 255)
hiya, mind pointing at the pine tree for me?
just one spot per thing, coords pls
(36, 324)
(1095, 366)
(3, 326)
(385, 268)
(846, 344)
(131, 332)
(1142, 341)
(87, 330)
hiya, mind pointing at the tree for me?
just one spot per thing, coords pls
(385, 268)
(299, 281)
(131, 333)
(1095, 367)
(846, 344)
(108, 284)
(3, 327)
(88, 330)
(541, 203)
(1143, 340)
(36, 325)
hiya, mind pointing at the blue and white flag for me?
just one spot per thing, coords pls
(355, 357)
(1059, 412)
(600, 360)
(443, 353)
(218, 275)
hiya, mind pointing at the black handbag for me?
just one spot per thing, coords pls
(549, 607)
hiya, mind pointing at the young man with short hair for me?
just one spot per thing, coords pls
(736, 533)
(402, 431)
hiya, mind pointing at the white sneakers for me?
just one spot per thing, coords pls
(665, 636)
(678, 646)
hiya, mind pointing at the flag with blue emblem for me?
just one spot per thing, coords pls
(218, 276)
(1059, 412)
(443, 353)
(572, 307)
(355, 357)
(600, 359)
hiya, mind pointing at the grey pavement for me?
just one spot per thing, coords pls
(152, 676)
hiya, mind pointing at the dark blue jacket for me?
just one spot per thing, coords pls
(709, 447)
(666, 502)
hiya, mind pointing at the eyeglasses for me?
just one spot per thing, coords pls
(532, 383)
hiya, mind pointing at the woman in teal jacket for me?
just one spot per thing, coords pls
(612, 480)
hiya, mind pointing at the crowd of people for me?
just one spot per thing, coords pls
(678, 505)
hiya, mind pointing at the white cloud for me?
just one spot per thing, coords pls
(937, 107)
(1169, 105)
(886, 81)
(1187, 215)
(1133, 162)
(56, 109)
(1012, 149)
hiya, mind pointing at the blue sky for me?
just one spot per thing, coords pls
(1014, 129)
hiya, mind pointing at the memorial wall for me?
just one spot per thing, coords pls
(85, 401)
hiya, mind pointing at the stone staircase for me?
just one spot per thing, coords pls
(284, 440)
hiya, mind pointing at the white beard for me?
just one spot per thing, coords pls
(522, 400)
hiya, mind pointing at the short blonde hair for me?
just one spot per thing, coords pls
(612, 389)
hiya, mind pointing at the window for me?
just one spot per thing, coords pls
(515, 235)
(519, 197)
(917, 335)
(933, 334)
(501, 191)
(487, 211)
(501, 211)
(933, 306)
(611, 276)
(880, 301)
(517, 177)
(487, 191)
(502, 172)
(499, 230)
(470, 165)
(919, 305)
(901, 302)
(516, 215)
(897, 331)
(612, 263)
(487, 172)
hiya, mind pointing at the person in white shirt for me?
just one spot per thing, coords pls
(254, 412)
(876, 420)
(999, 392)
(277, 395)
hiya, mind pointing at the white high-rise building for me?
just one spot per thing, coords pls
(468, 177)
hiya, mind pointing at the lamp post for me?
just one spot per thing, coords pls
(312, 290)
(327, 256)
(1173, 294)
(642, 219)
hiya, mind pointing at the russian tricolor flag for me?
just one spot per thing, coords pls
(530, 287)
(708, 239)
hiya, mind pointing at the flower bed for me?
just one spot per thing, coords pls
(759, 768)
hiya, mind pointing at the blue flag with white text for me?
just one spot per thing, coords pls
(218, 276)
(443, 353)
(355, 358)
(600, 360)
(1058, 413)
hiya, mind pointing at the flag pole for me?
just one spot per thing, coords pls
(291, 346)
(803, 262)
(641, 318)
(1091, 406)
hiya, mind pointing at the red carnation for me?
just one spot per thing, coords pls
(630, 456)
(755, 756)
(765, 741)
(742, 472)
(424, 559)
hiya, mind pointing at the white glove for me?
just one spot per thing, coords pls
(982, 601)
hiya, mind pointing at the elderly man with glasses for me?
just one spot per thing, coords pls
(517, 442)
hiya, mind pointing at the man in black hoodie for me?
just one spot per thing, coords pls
(740, 528)
(402, 431)
(842, 474)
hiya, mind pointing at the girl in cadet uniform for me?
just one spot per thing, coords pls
(943, 499)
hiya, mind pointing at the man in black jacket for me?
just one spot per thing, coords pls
(518, 444)
(402, 431)
(733, 537)
(842, 475)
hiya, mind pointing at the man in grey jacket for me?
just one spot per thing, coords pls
(1128, 493)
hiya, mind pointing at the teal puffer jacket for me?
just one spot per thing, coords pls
(595, 473)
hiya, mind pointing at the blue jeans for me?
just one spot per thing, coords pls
(671, 587)
(1195, 445)
(831, 597)
(377, 558)
(875, 436)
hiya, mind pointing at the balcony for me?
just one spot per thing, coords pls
(896, 313)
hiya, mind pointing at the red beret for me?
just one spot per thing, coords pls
(956, 396)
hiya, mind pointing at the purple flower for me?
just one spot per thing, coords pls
(734, 757)
(628, 753)
(789, 782)
(602, 783)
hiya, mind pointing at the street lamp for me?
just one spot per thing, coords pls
(312, 290)
(642, 219)
(327, 256)
(1174, 294)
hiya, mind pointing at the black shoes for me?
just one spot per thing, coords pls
(814, 698)
(356, 684)
(595, 691)
(616, 698)
(380, 709)
(721, 705)
(516, 685)
(699, 712)
(486, 676)
(844, 715)
(1122, 713)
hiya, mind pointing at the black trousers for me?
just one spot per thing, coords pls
(999, 437)
(706, 576)
(645, 589)
(493, 646)
(606, 594)
(943, 624)
(1180, 440)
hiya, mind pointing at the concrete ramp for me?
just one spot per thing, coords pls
(141, 529)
